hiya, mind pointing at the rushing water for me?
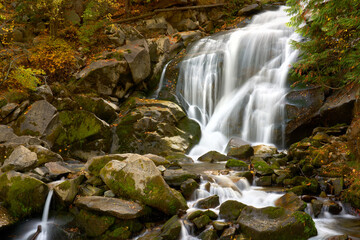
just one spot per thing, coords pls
(234, 84)
(234, 188)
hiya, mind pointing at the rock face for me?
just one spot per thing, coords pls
(21, 159)
(22, 195)
(78, 130)
(275, 223)
(118, 208)
(36, 120)
(138, 178)
(157, 127)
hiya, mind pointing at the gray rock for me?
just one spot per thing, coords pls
(235, 143)
(44, 92)
(68, 189)
(6, 134)
(220, 226)
(251, 9)
(21, 159)
(171, 229)
(35, 121)
(230, 210)
(317, 207)
(44, 155)
(188, 188)
(228, 233)
(103, 75)
(8, 109)
(89, 190)
(275, 223)
(190, 36)
(213, 156)
(208, 234)
(209, 202)
(109, 194)
(187, 25)
(263, 181)
(116, 207)
(138, 178)
(176, 177)
(56, 169)
(242, 152)
(202, 221)
(158, 160)
(291, 201)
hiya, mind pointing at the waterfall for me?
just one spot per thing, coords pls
(234, 83)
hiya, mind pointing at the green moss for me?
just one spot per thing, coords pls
(236, 164)
(306, 220)
(93, 224)
(65, 185)
(274, 212)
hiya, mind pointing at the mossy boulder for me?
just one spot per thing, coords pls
(213, 156)
(78, 130)
(202, 221)
(94, 225)
(291, 201)
(138, 178)
(352, 195)
(261, 167)
(175, 177)
(231, 209)
(68, 189)
(95, 164)
(171, 229)
(22, 195)
(188, 188)
(209, 202)
(276, 223)
(241, 152)
(238, 165)
(100, 107)
(157, 127)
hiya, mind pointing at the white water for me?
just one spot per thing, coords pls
(234, 84)
(326, 224)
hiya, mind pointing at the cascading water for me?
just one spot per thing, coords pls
(234, 84)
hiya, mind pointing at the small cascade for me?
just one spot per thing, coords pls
(45, 217)
(234, 83)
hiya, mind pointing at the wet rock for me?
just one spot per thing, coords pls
(213, 156)
(230, 210)
(195, 214)
(35, 121)
(176, 177)
(188, 188)
(202, 221)
(228, 233)
(157, 127)
(275, 223)
(317, 207)
(241, 152)
(263, 181)
(208, 234)
(209, 202)
(212, 215)
(291, 201)
(22, 195)
(171, 229)
(138, 178)
(21, 159)
(68, 189)
(78, 130)
(94, 225)
(116, 207)
(333, 207)
(307, 198)
(248, 175)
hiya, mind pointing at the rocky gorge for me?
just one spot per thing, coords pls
(117, 160)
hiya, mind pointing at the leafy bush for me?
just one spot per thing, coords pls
(25, 78)
(55, 57)
(330, 50)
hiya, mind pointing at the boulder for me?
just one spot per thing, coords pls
(190, 36)
(231, 209)
(89, 190)
(264, 150)
(176, 177)
(250, 9)
(78, 130)
(6, 134)
(202, 221)
(209, 202)
(21, 159)
(171, 229)
(116, 207)
(158, 160)
(228, 233)
(291, 202)
(103, 76)
(44, 155)
(22, 195)
(94, 225)
(100, 107)
(275, 223)
(68, 189)
(7, 109)
(333, 207)
(157, 127)
(238, 165)
(138, 178)
(138, 58)
(95, 164)
(56, 169)
(5, 218)
(316, 207)
(261, 167)
(208, 234)
(263, 181)
(36, 119)
(188, 188)
(213, 156)
(187, 25)
(241, 152)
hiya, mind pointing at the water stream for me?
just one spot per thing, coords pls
(234, 84)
